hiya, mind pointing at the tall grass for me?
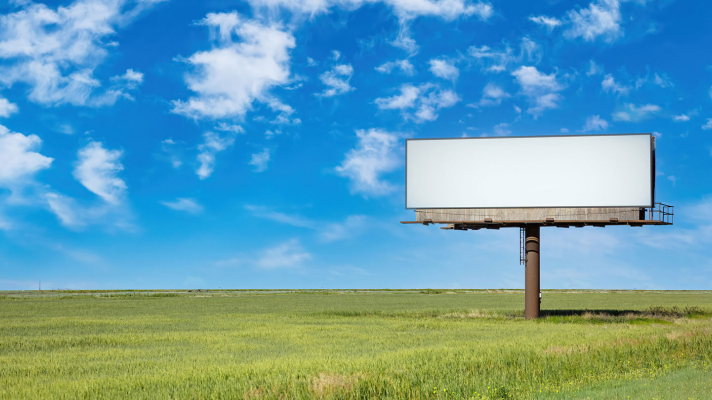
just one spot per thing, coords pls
(345, 345)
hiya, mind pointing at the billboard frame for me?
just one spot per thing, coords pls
(651, 161)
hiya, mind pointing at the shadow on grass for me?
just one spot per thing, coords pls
(652, 315)
(578, 313)
(669, 312)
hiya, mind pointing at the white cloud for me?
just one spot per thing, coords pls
(407, 98)
(122, 84)
(289, 254)
(444, 69)
(549, 22)
(530, 51)
(404, 10)
(595, 123)
(55, 51)
(184, 204)
(232, 75)
(492, 60)
(632, 113)
(540, 89)
(20, 157)
(7, 108)
(131, 78)
(311, 62)
(67, 129)
(492, 95)
(225, 127)
(608, 84)
(337, 80)
(681, 118)
(211, 145)
(593, 69)
(425, 99)
(602, 18)
(269, 134)
(403, 65)
(662, 80)
(502, 129)
(97, 169)
(376, 153)
(708, 124)
(66, 209)
(404, 41)
(260, 160)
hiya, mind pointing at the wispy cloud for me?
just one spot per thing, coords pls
(337, 80)
(403, 65)
(289, 219)
(188, 205)
(352, 226)
(609, 84)
(601, 19)
(549, 22)
(326, 231)
(419, 103)
(212, 144)
(289, 254)
(595, 123)
(632, 113)
(260, 160)
(492, 95)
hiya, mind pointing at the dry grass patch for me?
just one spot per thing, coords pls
(329, 383)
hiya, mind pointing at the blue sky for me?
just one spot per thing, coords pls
(259, 144)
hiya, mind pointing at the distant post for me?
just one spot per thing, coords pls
(531, 280)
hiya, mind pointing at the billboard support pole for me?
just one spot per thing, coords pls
(532, 287)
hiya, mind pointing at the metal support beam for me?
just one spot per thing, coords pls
(532, 287)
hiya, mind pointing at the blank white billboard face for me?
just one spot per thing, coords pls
(551, 171)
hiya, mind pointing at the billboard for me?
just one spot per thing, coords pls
(531, 171)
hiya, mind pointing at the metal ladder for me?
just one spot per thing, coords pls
(522, 250)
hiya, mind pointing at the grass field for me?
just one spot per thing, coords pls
(421, 344)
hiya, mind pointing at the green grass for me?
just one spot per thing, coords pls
(686, 383)
(420, 344)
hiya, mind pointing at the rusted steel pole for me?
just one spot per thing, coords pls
(531, 283)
